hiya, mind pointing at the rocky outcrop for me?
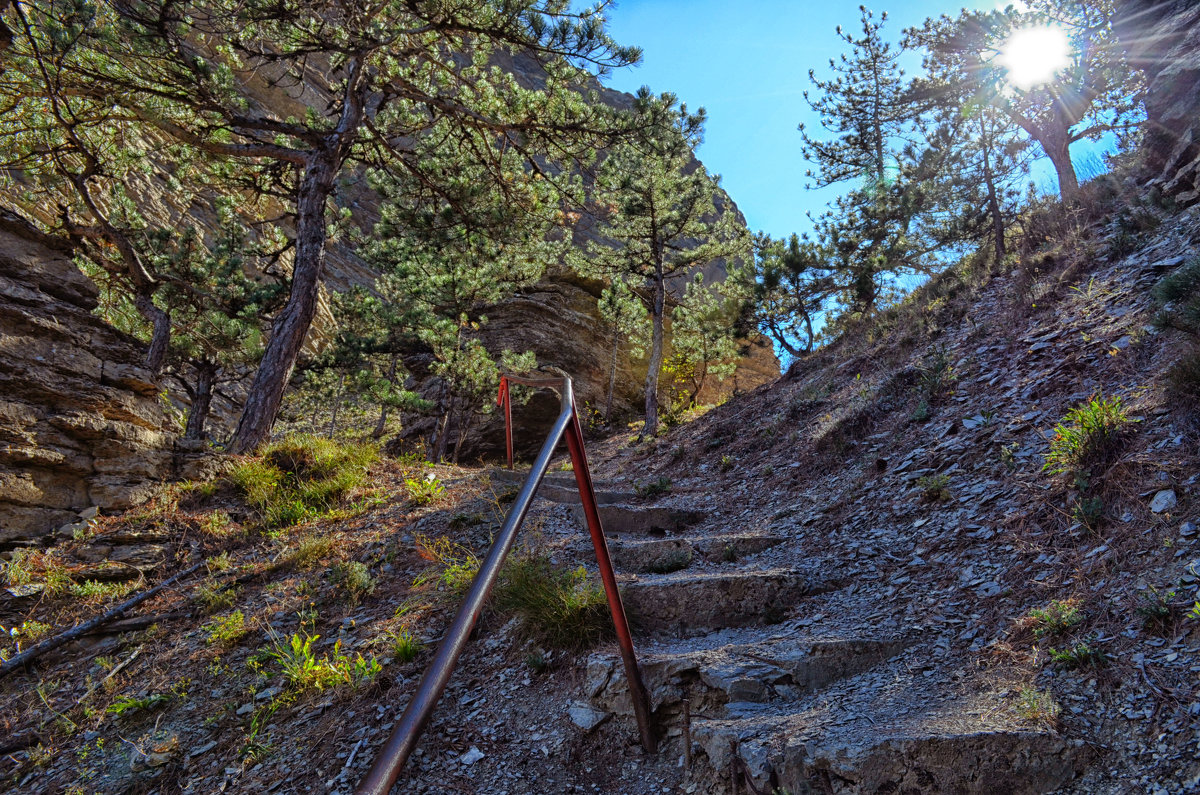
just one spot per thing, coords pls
(81, 423)
(1162, 38)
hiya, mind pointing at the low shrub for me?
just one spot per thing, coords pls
(558, 607)
(301, 478)
(1087, 436)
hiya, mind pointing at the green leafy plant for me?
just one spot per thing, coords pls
(1056, 618)
(726, 463)
(1087, 435)
(1081, 655)
(125, 705)
(559, 607)
(213, 596)
(424, 490)
(934, 488)
(302, 670)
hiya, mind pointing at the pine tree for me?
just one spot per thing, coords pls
(625, 316)
(789, 285)
(704, 334)
(387, 75)
(864, 108)
(659, 217)
(1095, 94)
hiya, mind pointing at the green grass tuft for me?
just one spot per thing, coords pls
(558, 607)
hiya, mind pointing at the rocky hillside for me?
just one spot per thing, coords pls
(81, 421)
(858, 579)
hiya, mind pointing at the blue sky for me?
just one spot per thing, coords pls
(747, 63)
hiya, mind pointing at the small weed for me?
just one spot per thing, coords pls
(1056, 618)
(934, 488)
(726, 464)
(538, 661)
(1037, 707)
(922, 412)
(506, 496)
(425, 490)
(213, 596)
(566, 466)
(729, 554)
(219, 563)
(1008, 455)
(93, 591)
(1081, 655)
(675, 561)
(215, 523)
(1088, 512)
(126, 705)
(653, 488)
(936, 374)
(310, 551)
(406, 646)
(561, 608)
(767, 471)
(227, 631)
(1087, 435)
(454, 565)
(354, 579)
(1157, 610)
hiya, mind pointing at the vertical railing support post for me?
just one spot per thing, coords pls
(587, 495)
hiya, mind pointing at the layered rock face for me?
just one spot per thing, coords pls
(1162, 38)
(81, 422)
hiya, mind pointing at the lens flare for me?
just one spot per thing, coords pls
(1033, 56)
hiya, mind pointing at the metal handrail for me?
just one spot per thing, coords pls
(404, 736)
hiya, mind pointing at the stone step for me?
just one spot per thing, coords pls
(620, 519)
(738, 673)
(708, 600)
(561, 487)
(664, 555)
(886, 730)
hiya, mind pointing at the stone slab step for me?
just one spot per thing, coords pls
(694, 602)
(888, 730)
(561, 487)
(664, 555)
(626, 519)
(759, 672)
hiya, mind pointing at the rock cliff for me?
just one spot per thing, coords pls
(81, 423)
(1162, 38)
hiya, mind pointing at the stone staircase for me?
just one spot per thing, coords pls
(759, 709)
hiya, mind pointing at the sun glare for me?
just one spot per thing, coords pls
(1033, 56)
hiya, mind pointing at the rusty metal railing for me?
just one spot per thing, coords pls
(404, 736)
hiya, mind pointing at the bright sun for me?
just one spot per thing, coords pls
(1033, 56)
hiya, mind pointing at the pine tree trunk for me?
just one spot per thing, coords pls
(206, 377)
(612, 375)
(1060, 155)
(994, 206)
(383, 408)
(294, 320)
(160, 339)
(656, 355)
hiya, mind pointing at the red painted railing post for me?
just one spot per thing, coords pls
(505, 399)
(587, 495)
